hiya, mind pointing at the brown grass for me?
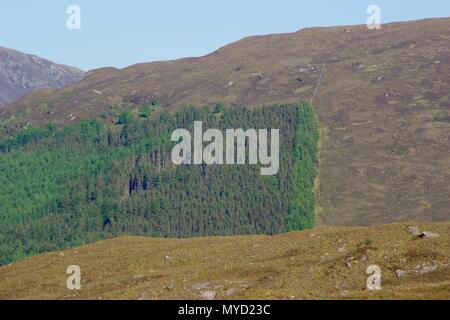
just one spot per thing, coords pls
(300, 265)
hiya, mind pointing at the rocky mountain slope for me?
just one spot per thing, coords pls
(327, 263)
(382, 97)
(22, 73)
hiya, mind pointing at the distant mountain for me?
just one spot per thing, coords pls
(21, 73)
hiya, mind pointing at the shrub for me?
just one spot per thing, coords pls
(125, 117)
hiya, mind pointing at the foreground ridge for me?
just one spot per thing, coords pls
(322, 263)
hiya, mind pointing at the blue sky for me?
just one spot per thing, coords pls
(120, 33)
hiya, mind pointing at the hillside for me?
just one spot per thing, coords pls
(383, 105)
(326, 263)
(84, 183)
(22, 73)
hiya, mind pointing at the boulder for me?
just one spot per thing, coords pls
(230, 292)
(341, 250)
(414, 231)
(400, 273)
(169, 287)
(428, 235)
(208, 295)
(200, 286)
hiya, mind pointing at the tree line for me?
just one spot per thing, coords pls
(72, 186)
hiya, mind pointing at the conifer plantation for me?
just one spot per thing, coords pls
(86, 182)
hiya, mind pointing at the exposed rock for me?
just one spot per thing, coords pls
(200, 286)
(428, 234)
(169, 287)
(341, 250)
(358, 66)
(427, 269)
(424, 234)
(400, 273)
(230, 292)
(309, 68)
(208, 295)
(414, 231)
(257, 75)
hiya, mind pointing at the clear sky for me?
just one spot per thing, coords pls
(124, 32)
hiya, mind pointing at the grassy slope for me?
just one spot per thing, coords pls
(300, 265)
(383, 103)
